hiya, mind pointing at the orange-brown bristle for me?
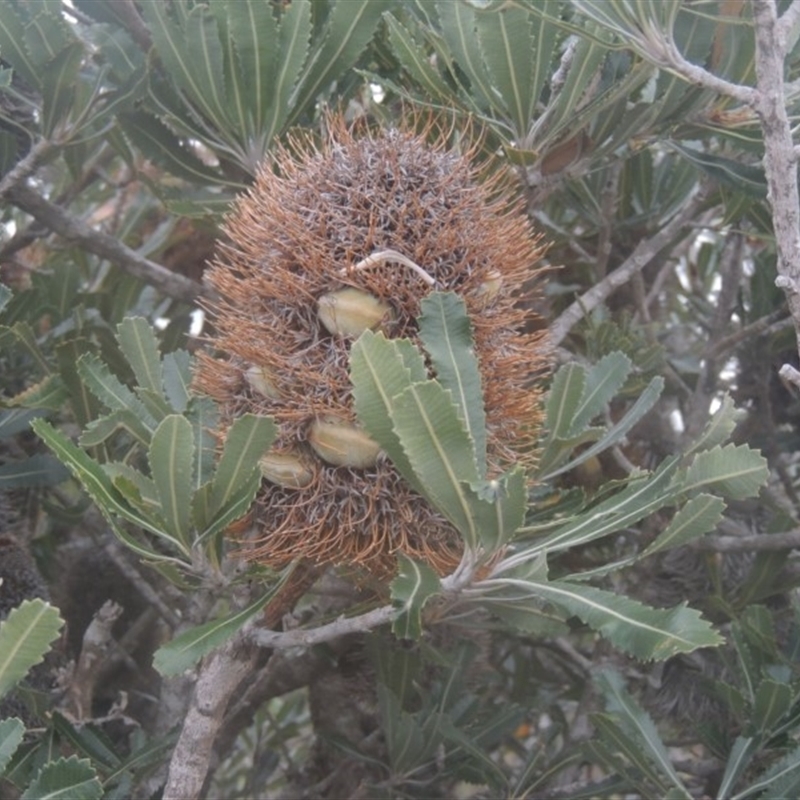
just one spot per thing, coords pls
(303, 233)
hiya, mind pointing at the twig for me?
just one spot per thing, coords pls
(94, 650)
(641, 256)
(101, 244)
(744, 544)
(306, 638)
(25, 167)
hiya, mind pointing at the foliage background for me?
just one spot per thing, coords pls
(125, 131)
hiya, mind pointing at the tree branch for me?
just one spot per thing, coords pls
(101, 244)
(281, 640)
(641, 256)
(220, 676)
(780, 162)
(745, 544)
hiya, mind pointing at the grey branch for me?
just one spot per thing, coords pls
(280, 640)
(221, 674)
(780, 162)
(101, 244)
(641, 256)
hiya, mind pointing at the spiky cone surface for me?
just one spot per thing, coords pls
(313, 214)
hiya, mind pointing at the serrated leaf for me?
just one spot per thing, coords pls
(136, 488)
(49, 393)
(171, 457)
(620, 429)
(14, 49)
(139, 345)
(700, 515)
(719, 427)
(110, 391)
(177, 367)
(499, 508)
(735, 471)
(619, 741)
(58, 88)
(349, 27)
(405, 740)
(11, 733)
(458, 30)
(65, 779)
(99, 487)
(644, 632)
(746, 178)
(440, 451)
(640, 498)
(247, 440)
(161, 145)
(637, 721)
(781, 780)
(186, 649)
(380, 369)
(772, 701)
(516, 52)
(739, 758)
(294, 36)
(36, 470)
(603, 381)
(564, 399)
(236, 506)
(446, 332)
(25, 637)
(414, 58)
(414, 585)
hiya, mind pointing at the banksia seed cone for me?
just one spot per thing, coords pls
(305, 270)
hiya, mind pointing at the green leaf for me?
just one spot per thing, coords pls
(65, 779)
(641, 497)
(700, 515)
(499, 508)
(781, 780)
(646, 633)
(564, 399)
(516, 51)
(247, 440)
(446, 332)
(637, 721)
(380, 369)
(185, 650)
(415, 583)
(746, 178)
(11, 732)
(37, 470)
(736, 471)
(177, 379)
(440, 451)
(160, 144)
(773, 701)
(110, 391)
(619, 741)
(618, 431)
(99, 487)
(25, 636)
(14, 49)
(603, 381)
(739, 758)
(59, 80)
(349, 27)
(140, 347)
(100, 429)
(171, 458)
(719, 427)
(414, 58)
(293, 47)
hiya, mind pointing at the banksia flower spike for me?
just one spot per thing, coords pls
(340, 238)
